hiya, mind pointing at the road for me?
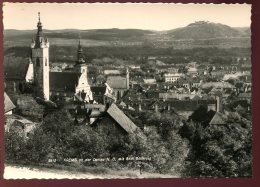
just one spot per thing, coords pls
(17, 172)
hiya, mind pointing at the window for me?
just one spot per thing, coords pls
(46, 62)
(38, 62)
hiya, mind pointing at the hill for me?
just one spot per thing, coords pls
(206, 30)
(96, 34)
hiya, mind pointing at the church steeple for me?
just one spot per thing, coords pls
(40, 62)
(80, 59)
(39, 36)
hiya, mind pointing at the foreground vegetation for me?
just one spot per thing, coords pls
(58, 138)
(172, 146)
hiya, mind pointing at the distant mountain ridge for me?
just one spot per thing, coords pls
(95, 34)
(197, 30)
(198, 34)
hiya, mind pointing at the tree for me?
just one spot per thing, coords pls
(14, 145)
(85, 143)
(58, 123)
(39, 146)
(157, 150)
(220, 150)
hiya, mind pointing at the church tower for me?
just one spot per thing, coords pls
(80, 65)
(40, 60)
(82, 68)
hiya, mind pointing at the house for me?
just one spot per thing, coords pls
(166, 68)
(13, 79)
(112, 72)
(218, 119)
(20, 124)
(119, 84)
(149, 81)
(55, 69)
(102, 94)
(98, 93)
(178, 96)
(99, 80)
(114, 120)
(192, 71)
(136, 80)
(84, 113)
(9, 105)
(172, 77)
(245, 96)
(134, 67)
(209, 117)
(184, 82)
(185, 108)
(222, 85)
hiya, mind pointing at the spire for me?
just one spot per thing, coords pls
(80, 58)
(39, 24)
(79, 46)
(39, 17)
(39, 36)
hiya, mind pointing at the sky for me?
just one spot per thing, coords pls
(159, 16)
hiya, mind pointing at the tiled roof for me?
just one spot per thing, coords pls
(196, 97)
(17, 75)
(9, 105)
(187, 105)
(80, 96)
(111, 71)
(149, 81)
(218, 119)
(117, 82)
(24, 121)
(99, 107)
(98, 90)
(121, 118)
(217, 84)
(180, 105)
(137, 80)
(64, 81)
(95, 113)
(245, 95)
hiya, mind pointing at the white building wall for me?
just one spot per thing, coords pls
(29, 73)
(46, 72)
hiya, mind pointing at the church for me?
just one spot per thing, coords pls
(52, 85)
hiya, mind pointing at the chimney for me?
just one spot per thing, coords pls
(168, 107)
(219, 104)
(156, 107)
(139, 106)
(127, 78)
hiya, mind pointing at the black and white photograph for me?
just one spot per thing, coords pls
(127, 90)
